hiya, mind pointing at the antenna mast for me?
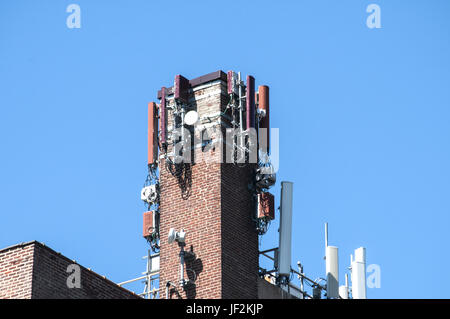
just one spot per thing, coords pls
(332, 268)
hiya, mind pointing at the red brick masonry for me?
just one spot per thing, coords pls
(34, 271)
(216, 215)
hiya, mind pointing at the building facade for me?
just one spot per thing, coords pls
(34, 271)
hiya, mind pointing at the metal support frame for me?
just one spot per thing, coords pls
(149, 276)
(300, 275)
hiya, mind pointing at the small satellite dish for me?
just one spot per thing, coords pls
(172, 235)
(176, 236)
(191, 118)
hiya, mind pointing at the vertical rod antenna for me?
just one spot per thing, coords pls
(241, 124)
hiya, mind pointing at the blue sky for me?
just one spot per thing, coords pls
(364, 118)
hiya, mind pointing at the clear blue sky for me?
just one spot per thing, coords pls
(364, 118)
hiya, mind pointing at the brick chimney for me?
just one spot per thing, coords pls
(211, 201)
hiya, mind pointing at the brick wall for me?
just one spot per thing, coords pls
(215, 215)
(35, 271)
(239, 238)
(16, 272)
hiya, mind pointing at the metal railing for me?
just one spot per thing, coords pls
(299, 274)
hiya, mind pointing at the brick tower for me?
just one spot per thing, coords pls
(207, 185)
(211, 201)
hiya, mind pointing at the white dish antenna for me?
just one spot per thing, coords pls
(176, 236)
(191, 118)
(172, 235)
(149, 194)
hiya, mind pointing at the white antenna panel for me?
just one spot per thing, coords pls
(154, 264)
(359, 274)
(332, 272)
(284, 255)
(343, 292)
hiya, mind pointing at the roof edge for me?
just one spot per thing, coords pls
(20, 245)
(42, 245)
(200, 80)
